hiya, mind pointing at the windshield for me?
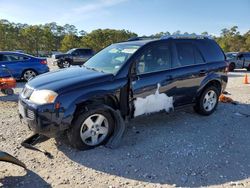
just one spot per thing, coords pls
(70, 51)
(111, 59)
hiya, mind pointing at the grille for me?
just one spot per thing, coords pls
(27, 91)
(30, 114)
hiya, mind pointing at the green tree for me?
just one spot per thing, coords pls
(69, 41)
(100, 38)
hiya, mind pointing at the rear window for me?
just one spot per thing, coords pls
(210, 50)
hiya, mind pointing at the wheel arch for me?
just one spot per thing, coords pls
(108, 100)
(82, 104)
(213, 82)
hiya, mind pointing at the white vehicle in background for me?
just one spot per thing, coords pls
(238, 60)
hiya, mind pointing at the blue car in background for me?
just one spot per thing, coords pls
(23, 66)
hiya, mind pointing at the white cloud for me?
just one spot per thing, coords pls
(62, 12)
(96, 6)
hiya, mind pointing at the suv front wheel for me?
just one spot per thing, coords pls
(208, 101)
(91, 129)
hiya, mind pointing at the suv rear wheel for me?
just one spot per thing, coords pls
(91, 129)
(208, 101)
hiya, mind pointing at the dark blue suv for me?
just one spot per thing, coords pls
(131, 78)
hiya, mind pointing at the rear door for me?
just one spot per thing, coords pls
(188, 70)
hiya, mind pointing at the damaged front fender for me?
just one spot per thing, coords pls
(10, 159)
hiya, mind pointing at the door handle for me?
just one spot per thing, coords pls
(203, 72)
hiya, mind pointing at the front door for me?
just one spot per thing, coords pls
(152, 80)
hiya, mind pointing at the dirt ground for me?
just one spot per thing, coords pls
(181, 149)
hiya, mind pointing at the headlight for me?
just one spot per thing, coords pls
(43, 96)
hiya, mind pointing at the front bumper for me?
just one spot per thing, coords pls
(41, 119)
(55, 61)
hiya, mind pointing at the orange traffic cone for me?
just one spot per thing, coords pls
(245, 81)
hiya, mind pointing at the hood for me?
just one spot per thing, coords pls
(69, 78)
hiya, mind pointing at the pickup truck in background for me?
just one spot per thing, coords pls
(75, 56)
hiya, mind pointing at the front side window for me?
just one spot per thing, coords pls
(76, 53)
(154, 58)
(85, 51)
(111, 59)
(11, 58)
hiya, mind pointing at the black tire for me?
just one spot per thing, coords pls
(200, 106)
(60, 64)
(74, 132)
(28, 74)
(3, 91)
(64, 64)
(9, 91)
(231, 67)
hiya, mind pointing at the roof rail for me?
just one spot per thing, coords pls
(186, 36)
(140, 38)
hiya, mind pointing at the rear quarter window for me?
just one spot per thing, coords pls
(210, 50)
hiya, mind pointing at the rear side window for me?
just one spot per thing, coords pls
(210, 50)
(187, 54)
(198, 57)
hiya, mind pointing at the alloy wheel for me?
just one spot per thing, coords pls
(94, 129)
(29, 74)
(210, 100)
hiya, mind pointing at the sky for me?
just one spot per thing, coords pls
(144, 17)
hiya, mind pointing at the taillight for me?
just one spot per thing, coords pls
(44, 62)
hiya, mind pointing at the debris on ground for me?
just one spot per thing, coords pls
(226, 99)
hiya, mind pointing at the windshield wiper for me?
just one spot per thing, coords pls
(94, 69)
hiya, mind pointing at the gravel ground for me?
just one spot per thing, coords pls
(181, 149)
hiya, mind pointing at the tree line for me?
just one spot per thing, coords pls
(46, 38)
